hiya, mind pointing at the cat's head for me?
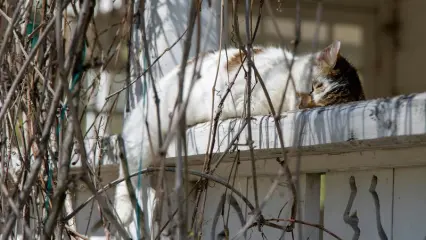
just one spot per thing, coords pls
(333, 79)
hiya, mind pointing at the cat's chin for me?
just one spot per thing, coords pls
(124, 209)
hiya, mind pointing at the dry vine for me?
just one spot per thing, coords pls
(44, 101)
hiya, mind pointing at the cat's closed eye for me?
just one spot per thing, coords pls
(317, 85)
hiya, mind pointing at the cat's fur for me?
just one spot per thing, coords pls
(330, 70)
(341, 85)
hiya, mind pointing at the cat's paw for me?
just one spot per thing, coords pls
(124, 209)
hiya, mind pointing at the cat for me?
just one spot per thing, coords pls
(333, 80)
(341, 84)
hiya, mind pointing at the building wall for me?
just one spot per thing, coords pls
(412, 50)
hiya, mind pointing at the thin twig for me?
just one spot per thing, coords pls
(319, 226)
(75, 233)
(149, 66)
(9, 30)
(180, 220)
(24, 193)
(203, 190)
(130, 188)
(19, 76)
(248, 104)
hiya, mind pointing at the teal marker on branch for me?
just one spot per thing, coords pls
(76, 75)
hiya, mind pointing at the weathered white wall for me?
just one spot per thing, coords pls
(410, 203)
(278, 206)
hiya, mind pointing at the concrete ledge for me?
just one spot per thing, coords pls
(373, 127)
(388, 122)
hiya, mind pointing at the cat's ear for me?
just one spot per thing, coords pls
(328, 56)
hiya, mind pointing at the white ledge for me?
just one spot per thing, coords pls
(373, 125)
(338, 138)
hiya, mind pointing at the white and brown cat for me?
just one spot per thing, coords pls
(333, 80)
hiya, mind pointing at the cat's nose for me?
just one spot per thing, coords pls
(305, 100)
